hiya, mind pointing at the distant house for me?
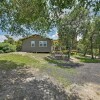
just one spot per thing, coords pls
(36, 43)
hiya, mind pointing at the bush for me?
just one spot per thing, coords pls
(19, 45)
(7, 47)
(65, 51)
(73, 52)
(1, 51)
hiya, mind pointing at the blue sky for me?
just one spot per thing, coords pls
(52, 34)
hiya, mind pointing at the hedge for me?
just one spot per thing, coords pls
(7, 47)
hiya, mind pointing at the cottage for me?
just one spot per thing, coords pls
(36, 43)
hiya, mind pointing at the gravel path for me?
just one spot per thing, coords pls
(89, 72)
(79, 73)
(29, 84)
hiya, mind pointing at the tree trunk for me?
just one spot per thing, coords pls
(99, 51)
(96, 50)
(91, 41)
(85, 51)
(69, 50)
(69, 53)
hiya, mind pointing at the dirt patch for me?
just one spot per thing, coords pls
(86, 92)
(20, 53)
(28, 84)
(74, 60)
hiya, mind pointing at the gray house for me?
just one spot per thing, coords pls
(36, 43)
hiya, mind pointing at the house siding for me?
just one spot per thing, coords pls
(26, 45)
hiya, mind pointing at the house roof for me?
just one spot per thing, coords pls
(34, 36)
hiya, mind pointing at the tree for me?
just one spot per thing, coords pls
(19, 45)
(90, 37)
(70, 27)
(9, 40)
(97, 33)
(24, 16)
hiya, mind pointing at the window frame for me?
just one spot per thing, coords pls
(32, 43)
(42, 42)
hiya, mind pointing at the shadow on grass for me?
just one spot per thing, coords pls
(62, 64)
(21, 84)
(8, 65)
(88, 60)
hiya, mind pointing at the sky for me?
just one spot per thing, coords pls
(52, 35)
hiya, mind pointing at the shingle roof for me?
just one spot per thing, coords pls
(35, 35)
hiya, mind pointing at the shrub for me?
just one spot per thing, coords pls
(1, 51)
(19, 45)
(7, 47)
(74, 52)
(12, 48)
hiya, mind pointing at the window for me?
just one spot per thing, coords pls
(32, 43)
(42, 43)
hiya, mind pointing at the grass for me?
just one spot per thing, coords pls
(86, 59)
(12, 61)
(52, 67)
(58, 71)
(61, 75)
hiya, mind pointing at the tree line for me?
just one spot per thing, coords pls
(80, 22)
(10, 45)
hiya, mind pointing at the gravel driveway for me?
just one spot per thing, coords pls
(25, 84)
(89, 72)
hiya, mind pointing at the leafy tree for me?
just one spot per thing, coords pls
(70, 27)
(19, 45)
(9, 40)
(97, 34)
(90, 37)
(24, 16)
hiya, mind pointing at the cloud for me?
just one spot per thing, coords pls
(54, 36)
(2, 38)
(16, 38)
(79, 37)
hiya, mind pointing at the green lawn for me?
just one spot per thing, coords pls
(86, 59)
(51, 67)
(11, 61)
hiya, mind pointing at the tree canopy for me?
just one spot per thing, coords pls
(24, 16)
